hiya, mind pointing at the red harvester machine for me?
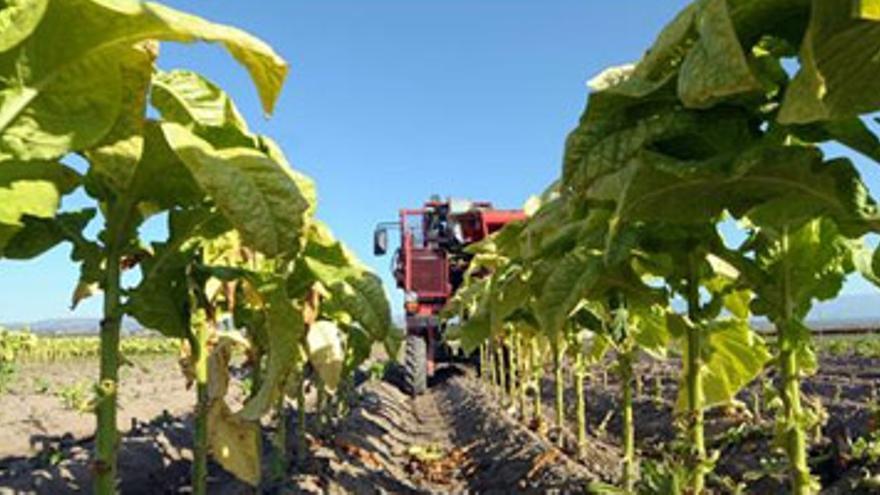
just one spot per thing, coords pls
(429, 266)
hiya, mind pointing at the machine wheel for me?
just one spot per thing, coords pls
(415, 373)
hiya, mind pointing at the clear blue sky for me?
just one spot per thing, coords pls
(389, 102)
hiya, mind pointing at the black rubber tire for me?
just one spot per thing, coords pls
(415, 372)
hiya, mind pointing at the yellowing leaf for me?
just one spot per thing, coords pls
(33, 188)
(62, 83)
(284, 329)
(733, 355)
(258, 195)
(324, 342)
(114, 158)
(18, 19)
(867, 9)
(234, 443)
(839, 69)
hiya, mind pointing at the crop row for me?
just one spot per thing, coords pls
(242, 250)
(24, 346)
(696, 194)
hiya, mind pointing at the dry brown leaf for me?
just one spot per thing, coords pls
(547, 457)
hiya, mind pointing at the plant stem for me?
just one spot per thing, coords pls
(107, 436)
(795, 440)
(200, 435)
(579, 373)
(301, 419)
(625, 362)
(795, 436)
(694, 386)
(502, 376)
(493, 373)
(523, 375)
(280, 462)
(514, 367)
(537, 374)
(483, 373)
(560, 394)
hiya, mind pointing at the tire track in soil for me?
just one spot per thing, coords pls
(489, 451)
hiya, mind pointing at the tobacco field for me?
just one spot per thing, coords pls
(608, 343)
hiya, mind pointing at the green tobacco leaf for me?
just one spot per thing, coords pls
(604, 144)
(160, 302)
(304, 183)
(284, 330)
(161, 180)
(359, 346)
(324, 346)
(18, 19)
(39, 235)
(188, 98)
(761, 181)
(63, 83)
(353, 289)
(814, 267)
(511, 292)
(854, 133)
(257, 195)
(715, 68)
(33, 189)
(662, 60)
(733, 355)
(472, 332)
(71, 110)
(571, 278)
(840, 73)
(358, 293)
(649, 329)
(867, 261)
(115, 156)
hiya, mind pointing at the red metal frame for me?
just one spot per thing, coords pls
(480, 221)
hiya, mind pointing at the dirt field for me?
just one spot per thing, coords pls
(846, 387)
(40, 409)
(375, 448)
(454, 439)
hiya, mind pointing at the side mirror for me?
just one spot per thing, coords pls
(380, 242)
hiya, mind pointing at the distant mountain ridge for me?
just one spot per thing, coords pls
(848, 310)
(70, 326)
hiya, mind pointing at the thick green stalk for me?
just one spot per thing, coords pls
(487, 364)
(523, 375)
(200, 436)
(301, 419)
(493, 372)
(280, 461)
(579, 373)
(514, 367)
(483, 362)
(537, 374)
(107, 435)
(696, 459)
(795, 440)
(795, 436)
(560, 394)
(625, 362)
(502, 376)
